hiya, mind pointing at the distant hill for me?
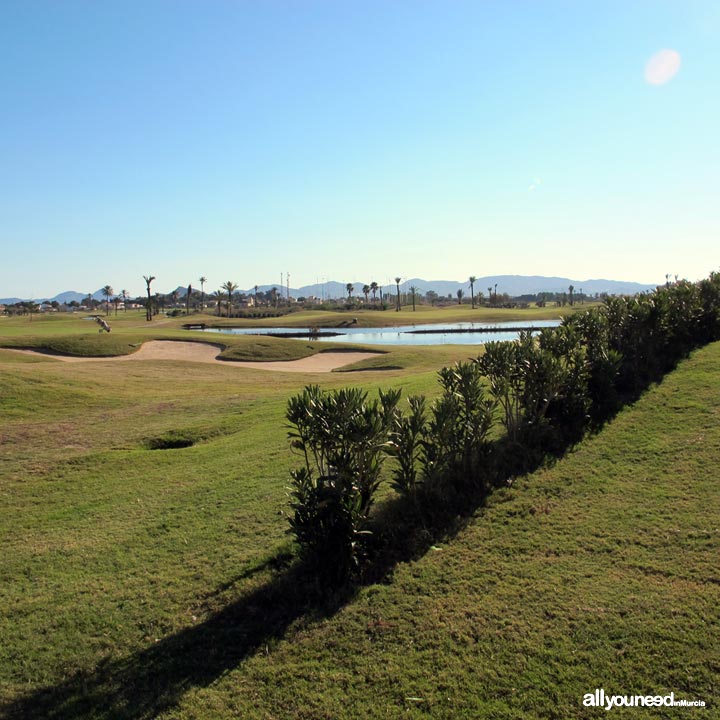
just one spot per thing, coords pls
(69, 296)
(513, 285)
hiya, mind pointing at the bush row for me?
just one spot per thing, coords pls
(545, 391)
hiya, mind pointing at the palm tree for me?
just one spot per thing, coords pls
(413, 291)
(187, 300)
(490, 295)
(397, 284)
(472, 289)
(202, 282)
(148, 279)
(124, 294)
(366, 292)
(373, 289)
(460, 294)
(229, 287)
(349, 287)
(570, 291)
(107, 291)
(219, 295)
(256, 300)
(174, 297)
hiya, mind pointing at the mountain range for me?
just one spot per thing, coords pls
(513, 285)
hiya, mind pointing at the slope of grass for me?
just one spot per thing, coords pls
(599, 572)
(139, 582)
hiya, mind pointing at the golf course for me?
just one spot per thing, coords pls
(147, 570)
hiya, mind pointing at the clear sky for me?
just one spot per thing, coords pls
(355, 141)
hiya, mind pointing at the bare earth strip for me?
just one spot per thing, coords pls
(206, 353)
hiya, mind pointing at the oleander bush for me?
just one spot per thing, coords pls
(341, 436)
(546, 391)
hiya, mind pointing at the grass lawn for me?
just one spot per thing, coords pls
(423, 314)
(70, 334)
(139, 582)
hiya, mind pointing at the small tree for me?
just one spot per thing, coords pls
(413, 292)
(148, 312)
(219, 296)
(107, 292)
(229, 287)
(202, 281)
(397, 284)
(460, 294)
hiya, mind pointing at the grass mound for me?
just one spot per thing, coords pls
(259, 348)
(85, 345)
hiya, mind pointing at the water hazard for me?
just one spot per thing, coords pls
(449, 334)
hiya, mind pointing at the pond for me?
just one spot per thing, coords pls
(450, 334)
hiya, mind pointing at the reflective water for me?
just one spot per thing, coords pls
(449, 334)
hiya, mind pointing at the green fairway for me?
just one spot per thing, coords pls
(69, 334)
(145, 582)
(423, 314)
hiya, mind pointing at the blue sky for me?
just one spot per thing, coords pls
(354, 141)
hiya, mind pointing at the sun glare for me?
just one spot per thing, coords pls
(662, 67)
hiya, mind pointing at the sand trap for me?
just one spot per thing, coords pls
(206, 353)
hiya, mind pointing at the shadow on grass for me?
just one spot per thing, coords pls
(152, 680)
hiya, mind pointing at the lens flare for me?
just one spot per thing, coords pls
(662, 67)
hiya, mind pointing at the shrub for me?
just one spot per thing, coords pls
(455, 444)
(342, 437)
(407, 435)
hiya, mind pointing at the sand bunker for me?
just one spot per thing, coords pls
(206, 353)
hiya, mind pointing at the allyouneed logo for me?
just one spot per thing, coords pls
(600, 699)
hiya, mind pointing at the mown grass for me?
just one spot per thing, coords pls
(64, 323)
(71, 334)
(375, 318)
(140, 582)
